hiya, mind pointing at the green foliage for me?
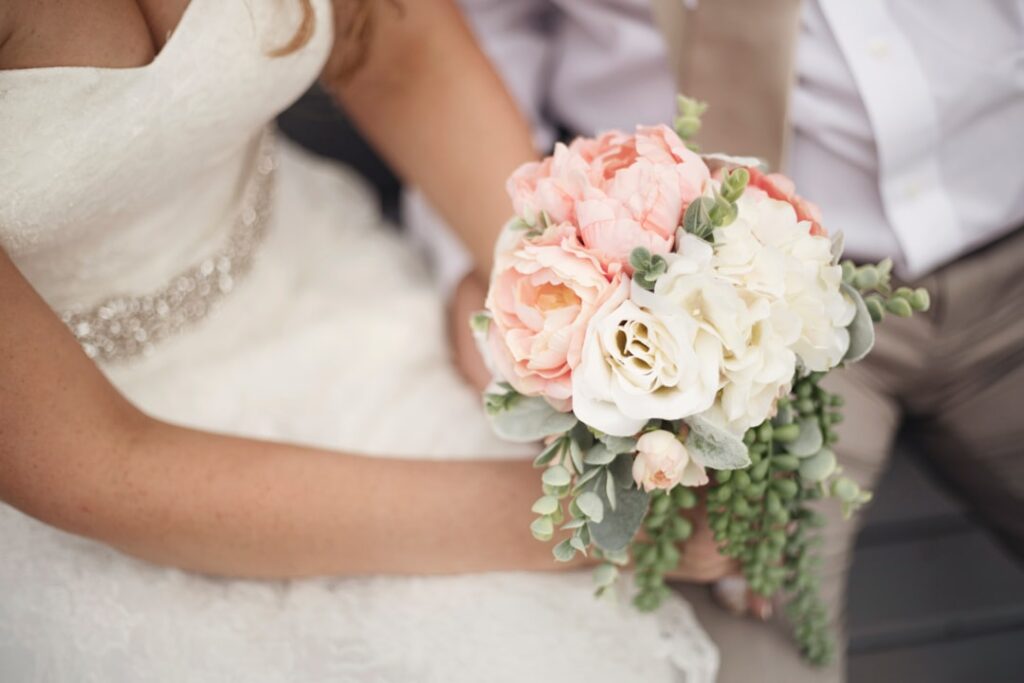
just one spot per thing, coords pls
(658, 552)
(647, 267)
(713, 446)
(519, 418)
(687, 122)
(874, 281)
(760, 514)
(697, 218)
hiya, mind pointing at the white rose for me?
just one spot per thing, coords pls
(767, 250)
(755, 333)
(662, 461)
(643, 358)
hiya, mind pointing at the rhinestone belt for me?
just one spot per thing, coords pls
(124, 327)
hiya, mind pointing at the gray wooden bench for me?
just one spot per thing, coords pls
(932, 596)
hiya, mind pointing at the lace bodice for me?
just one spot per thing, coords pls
(143, 179)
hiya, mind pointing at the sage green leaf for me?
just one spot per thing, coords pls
(564, 551)
(556, 475)
(605, 574)
(574, 524)
(809, 441)
(599, 455)
(576, 455)
(587, 476)
(618, 444)
(861, 329)
(582, 435)
(529, 418)
(819, 466)
(549, 453)
(545, 505)
(621, 470)
(620, 525)
(714, 446)
(576, 541)
(609, 491)
(542, 528)
(590, 504)
(697, 219)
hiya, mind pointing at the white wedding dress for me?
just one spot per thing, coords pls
(267, 300)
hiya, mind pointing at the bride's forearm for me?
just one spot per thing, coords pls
(77, 455)
(240, 507)
(432, 105)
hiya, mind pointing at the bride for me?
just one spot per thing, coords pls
(221, 378)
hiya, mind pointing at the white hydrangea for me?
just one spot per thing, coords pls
(766, 250)
(756, 333)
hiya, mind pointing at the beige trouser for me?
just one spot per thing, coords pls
(959, 371)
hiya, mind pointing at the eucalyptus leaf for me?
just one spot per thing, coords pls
(574, 524)
(542, 528)
(576, 455)
(549, 453)
(621, 470)
(545, 505)
(556, 475)
(599, 455)
(620, 525)
(609, 491)
(587, 476)
(810, 440)
(528, 418)
(576, 541)
(619, 557)
(862, 330)
(590, 504)
(618, 444)
(714, 446)
(564, 551)
(582, 435)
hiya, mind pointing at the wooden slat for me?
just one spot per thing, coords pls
(990, 658)
(941, 587)
(909, 504)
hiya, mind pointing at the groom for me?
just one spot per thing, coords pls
(911, 148)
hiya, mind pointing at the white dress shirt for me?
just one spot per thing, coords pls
(907, 115)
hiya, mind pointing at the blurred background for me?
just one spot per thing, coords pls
(933, 595)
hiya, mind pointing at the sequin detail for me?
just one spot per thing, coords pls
(125, 327)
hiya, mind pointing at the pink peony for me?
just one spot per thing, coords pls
(620, 191)
(542, 295)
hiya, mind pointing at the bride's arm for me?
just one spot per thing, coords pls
(431, 104)
(76, 454)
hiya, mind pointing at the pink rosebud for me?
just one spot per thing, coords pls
(662, 462)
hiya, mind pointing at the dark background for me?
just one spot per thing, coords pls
(933, 597)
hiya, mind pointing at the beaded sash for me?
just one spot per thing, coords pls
(124, 327)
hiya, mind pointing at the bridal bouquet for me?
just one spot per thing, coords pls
(662, 320)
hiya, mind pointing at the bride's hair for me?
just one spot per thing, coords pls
(353, 26)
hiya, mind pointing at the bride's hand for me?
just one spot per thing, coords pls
(467, 299)
(701, 562)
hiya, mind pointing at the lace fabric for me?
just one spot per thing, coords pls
(303, 349)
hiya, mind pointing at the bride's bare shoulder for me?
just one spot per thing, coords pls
(47, 33)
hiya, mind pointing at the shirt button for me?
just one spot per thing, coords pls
(879, 48)
(913, 189)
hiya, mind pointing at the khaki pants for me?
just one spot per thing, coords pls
(959, 372)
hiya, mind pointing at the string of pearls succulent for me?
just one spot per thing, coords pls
(125, 327)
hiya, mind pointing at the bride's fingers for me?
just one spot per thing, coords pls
(733, 593)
